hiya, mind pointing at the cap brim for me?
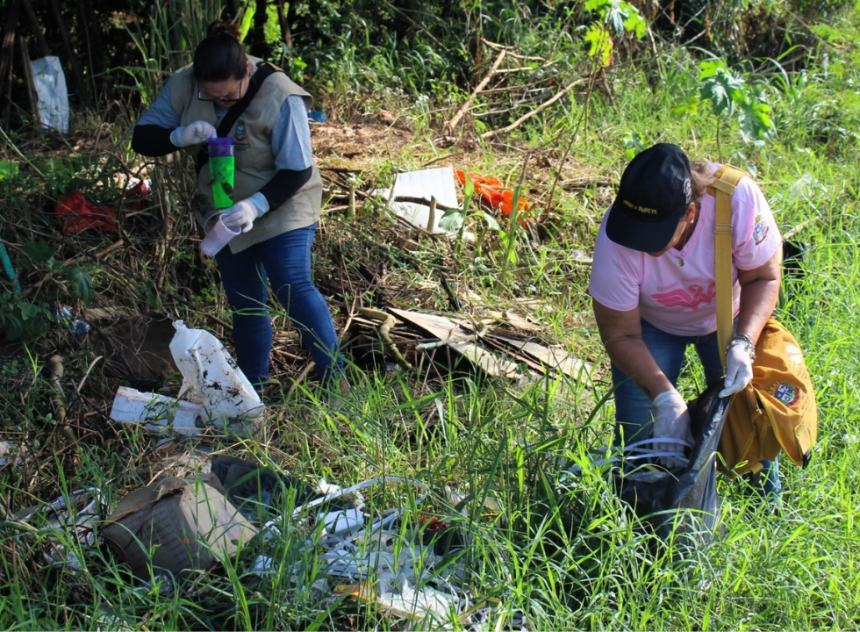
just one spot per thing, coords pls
(627, 231)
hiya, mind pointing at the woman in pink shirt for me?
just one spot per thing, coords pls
(652, 286)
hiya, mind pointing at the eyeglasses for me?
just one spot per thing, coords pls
(202, 96)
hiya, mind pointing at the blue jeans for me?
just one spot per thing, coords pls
(285, 262)
(633, 408)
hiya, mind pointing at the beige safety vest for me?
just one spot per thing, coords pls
(255, 161)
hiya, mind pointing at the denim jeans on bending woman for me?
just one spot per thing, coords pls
(285, 262)
(633, 408)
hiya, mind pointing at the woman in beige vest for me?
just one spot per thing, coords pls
(277, 190)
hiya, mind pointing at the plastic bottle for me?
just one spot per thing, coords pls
(222, 169)
(211, 377)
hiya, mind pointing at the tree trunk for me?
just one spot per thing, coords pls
(258, 43)
(41, 42)
(95, 46)
(285, 24)
(28, 79)
(7, 52)
(73, 57)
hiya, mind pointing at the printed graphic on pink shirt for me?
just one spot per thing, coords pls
(690, 298)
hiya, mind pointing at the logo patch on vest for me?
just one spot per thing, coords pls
(760, 230)
(240, 134)
(786, 393)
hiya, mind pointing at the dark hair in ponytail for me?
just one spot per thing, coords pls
(220, 56)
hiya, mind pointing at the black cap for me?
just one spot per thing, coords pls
(655, 191)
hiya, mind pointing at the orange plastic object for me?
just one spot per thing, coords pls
(492, 194)
(77, 214)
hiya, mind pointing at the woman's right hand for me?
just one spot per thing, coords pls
(672, 422)
(192, 134)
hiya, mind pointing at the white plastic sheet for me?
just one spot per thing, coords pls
(438, 183)
(53, 94)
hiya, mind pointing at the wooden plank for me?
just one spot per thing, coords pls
(558, 359)
(459, 340)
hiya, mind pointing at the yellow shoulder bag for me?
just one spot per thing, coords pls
(777, 410)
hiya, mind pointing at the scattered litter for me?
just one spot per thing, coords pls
(76, 214)
(251, 487)
(398, 568)
(157, 413)
(176, 525)
(491, 192)
(558, 359)
(318, 116)
(7, 267)
(460, 340)
(212, 378)
(67, 318)
(11, 454)
(76, 515)
(412, 193)
(342, 522)
(138, 191)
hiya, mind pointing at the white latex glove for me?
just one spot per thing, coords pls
(243, 214)
(192, 134)
(739, 371)
(673, 422)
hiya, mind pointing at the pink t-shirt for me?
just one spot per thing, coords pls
(675, 292)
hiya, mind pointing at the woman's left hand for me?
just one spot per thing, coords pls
(739, 371)
(243, 214)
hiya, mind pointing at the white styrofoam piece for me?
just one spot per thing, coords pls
(158, 413)
(427, 183)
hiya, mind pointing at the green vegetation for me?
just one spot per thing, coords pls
(777, 92)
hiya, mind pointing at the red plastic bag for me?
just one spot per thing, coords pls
(77, 214)
(492, 194)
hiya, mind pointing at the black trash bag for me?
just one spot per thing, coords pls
(251, 487)
(682, 500)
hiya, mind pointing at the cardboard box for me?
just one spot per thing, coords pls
(176, 525)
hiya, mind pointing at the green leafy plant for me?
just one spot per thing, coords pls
(456, 219)
(732, 98)
(632, 144)
(617, 18)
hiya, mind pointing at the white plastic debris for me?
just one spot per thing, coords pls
(422, 185)
(53, 95)
(211, 378)
(343, 522)
(158, 413)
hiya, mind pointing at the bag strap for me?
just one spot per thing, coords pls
(264, 70)
(723, 187)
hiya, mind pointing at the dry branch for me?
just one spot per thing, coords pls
(538, 109)
(451, 125)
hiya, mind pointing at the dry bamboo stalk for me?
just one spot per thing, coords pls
(55, 363)
(387, 322)
(431, 214)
